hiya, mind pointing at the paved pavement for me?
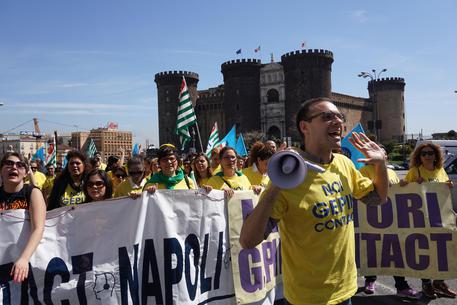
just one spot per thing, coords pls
(385, 293)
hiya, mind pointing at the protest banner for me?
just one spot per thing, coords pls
(256, 271)
(412, 234)
(166, 248)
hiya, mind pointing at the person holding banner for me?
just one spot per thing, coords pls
(170, 177)
(256, 171)
(67, 189)
(402, 286)
(229, 179)
(201, 169)
(426, 165)
(14, 194)
(316, 217)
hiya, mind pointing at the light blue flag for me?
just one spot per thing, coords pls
(136, 150)
(240, 147)
(349, 150)
(230, 138)
(40, 153)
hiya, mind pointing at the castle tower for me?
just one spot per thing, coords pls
(388, 94)
(242, 94)
(307, 74)
(168, 86)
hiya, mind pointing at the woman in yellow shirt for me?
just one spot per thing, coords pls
(229, 179)
(202, 169)
(426, 165)
(257, 168)
(170, 177)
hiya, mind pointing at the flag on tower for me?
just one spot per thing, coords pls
(213, 139)
(257, 49)
(303, 44)
(238, 51)
(186, 115)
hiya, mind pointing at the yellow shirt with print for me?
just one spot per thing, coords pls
(128, 186)
(238, 183)
(255, 177)
(72, 197)
(369, 172)
(317, 234)
(181, 185)
(436, 175)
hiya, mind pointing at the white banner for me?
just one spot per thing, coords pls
(166, 248)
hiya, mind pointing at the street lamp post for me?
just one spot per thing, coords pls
(374, 77)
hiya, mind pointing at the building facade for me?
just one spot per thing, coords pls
(109, 142)
(266, 98)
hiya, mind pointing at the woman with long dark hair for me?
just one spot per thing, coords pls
(14, 194)
(97, 186)
(67, 189)
(202, 169)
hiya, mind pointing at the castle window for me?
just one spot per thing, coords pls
(272, 96)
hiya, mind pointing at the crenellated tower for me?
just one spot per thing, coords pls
(168, 86)
(242, 94)
(388, 94)
(307, 74)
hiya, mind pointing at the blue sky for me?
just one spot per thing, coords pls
(84, 63)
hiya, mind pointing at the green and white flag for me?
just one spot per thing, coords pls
(213, 140)
(51, 154)
(186, 115)
(91, 149)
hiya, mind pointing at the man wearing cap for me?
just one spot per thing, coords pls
(316, 217)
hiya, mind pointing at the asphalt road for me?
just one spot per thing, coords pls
(386, 293)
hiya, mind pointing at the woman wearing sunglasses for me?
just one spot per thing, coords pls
(426, 165)
(97, 186)
(14, 194)
(229, 179)
(171, 176)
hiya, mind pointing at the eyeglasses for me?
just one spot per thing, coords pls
(427, 153)
(171, 159)
(135, 173)
(327, 116)
(34, 168)
(11, 163)
(98, 183)
(229, 157)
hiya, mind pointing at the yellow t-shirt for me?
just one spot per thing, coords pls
(72, 197)
(216, 170)
(369, 172)
(238, 183)
(255, 177)
(128, 186)
(317, 234)
(181, 185)
(103, 166)
(436, 175)
(203, 181)
(48, 184)
(40, 179)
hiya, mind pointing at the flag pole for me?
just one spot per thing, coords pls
(199, 138)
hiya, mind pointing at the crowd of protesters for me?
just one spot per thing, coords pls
(84, 180)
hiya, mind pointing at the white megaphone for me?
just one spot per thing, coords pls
(287, 169)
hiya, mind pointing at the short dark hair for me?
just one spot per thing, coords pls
(166, 150)
(17, 155)
(302, 113)
(224, 149)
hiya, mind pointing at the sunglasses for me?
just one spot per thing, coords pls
(11, 163)
(427, 153)
(96, 183)
(135, 173)
(327, 116)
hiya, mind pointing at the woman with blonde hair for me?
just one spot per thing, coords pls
(426, 165)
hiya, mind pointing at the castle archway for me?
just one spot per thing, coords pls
(274, 132)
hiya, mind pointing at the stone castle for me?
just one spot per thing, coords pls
(266, 98)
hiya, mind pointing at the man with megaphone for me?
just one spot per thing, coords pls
(315, 214)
